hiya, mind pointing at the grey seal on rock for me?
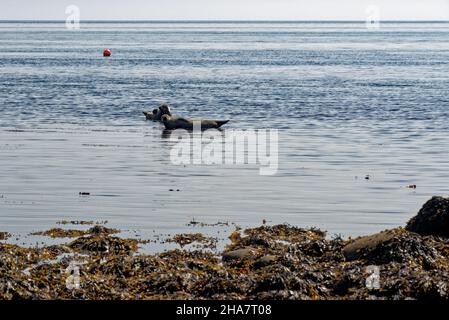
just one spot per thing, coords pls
(172, 123)
(157, 114)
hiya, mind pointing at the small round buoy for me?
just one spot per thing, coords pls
(107, 53)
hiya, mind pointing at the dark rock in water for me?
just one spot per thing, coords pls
(239, 254)
(432, 219)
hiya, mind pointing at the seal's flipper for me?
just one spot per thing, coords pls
(221, 122)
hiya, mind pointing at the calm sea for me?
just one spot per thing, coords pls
(348, 102)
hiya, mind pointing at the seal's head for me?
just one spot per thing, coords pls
(165, 118)
(165, 109)
(148, 115)
(155, 111)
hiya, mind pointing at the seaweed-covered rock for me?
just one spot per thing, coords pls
(404, 248)
(269, 262)
(356, 247)
(74, 233)
(283, 232)
(432, 219)
(60, 233)
(101, 230)
(104, 244)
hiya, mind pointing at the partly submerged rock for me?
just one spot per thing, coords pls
(103, 244)
(60, 233)
(101, 230)
(73, 233)
(432, 219)
(203, 241)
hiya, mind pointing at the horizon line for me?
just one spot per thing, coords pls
(215, 20)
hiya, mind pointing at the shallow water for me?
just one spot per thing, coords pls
(347, 101)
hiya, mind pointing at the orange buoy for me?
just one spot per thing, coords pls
(107, 53)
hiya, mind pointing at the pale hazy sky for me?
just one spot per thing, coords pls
(225, 9)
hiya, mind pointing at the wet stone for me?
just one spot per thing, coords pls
(354, 249)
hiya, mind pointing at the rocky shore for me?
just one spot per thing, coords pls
(268, 262)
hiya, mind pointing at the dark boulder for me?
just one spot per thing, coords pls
(432, 219)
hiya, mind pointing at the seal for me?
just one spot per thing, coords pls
(157, 114)
(172, 123)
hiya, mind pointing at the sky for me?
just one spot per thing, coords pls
(225, 9)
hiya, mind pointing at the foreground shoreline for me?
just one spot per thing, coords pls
(268, 262)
